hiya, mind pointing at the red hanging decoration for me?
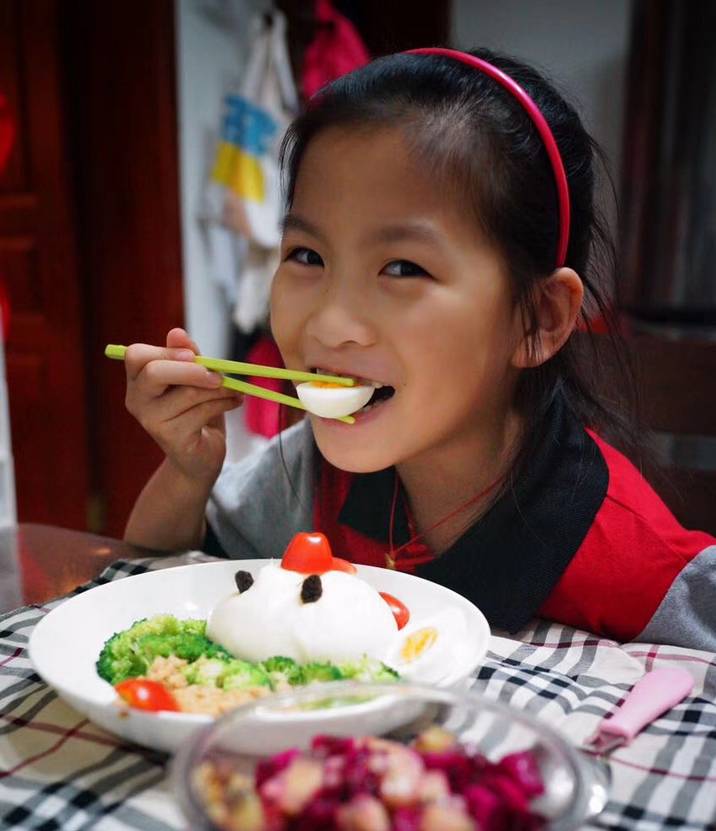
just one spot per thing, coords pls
(336, 49)
(7, 132)
(7, 140)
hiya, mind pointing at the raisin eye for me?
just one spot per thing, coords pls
(311, 589)
(243, 580)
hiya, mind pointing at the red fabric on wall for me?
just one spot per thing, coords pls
(336, 50)
(7, 132)
(7, 139)
(262, 417)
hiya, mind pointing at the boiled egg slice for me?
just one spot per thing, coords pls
(425, 650)
(333, 400)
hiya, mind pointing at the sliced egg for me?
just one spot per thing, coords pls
(425, 649)
(417, 643)
(332, 400)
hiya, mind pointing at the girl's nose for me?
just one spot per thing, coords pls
(340, 317)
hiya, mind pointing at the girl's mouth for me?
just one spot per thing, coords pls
(381, 395)
(382, 392)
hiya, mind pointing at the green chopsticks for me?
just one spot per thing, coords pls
(117, 352)
(239, 368)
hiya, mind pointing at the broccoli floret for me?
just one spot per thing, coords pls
(367, 669)
(193, 647)
(320, 671)
(205, 671)
(187, 646)
(130, 653)
(283, 670)
(240, 675)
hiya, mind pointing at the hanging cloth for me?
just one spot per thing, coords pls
(243, 196)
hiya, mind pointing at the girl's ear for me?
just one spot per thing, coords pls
(557, 302)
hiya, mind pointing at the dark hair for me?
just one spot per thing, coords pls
(480, 140)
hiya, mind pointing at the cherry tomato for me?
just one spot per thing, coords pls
(308, 553)
(338, 564)
(400, 611)
(146, 695)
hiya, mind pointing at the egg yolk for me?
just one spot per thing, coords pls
(417, 643)
(327, 385)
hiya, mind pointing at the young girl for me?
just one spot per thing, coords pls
(441, 239)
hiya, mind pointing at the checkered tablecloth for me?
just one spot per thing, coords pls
(59, 771)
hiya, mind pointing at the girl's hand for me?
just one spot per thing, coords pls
(180, 404)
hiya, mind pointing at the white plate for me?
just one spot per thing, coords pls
(65, 645)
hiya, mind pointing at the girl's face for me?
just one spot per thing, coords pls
(383, 276)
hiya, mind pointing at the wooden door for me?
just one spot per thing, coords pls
(120, 79)
(38, 262)
(90, 244)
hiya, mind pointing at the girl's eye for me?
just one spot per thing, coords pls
(304, 256)
(405, 268)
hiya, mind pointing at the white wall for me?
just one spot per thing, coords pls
(582, 45)
(211, 43)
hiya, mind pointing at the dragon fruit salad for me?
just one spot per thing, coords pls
(374, 784)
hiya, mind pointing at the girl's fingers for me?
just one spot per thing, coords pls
(153, 400)
(159, 374)
(153, 410)
(169, 393)
(193, 420)
(180, 400)
(139, 355)
(178, 338)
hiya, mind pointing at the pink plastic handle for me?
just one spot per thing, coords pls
(652, 695)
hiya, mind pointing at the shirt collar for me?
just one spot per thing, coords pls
(509, 561)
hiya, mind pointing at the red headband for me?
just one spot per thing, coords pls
(532, 110)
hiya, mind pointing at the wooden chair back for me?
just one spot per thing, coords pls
(676, 386)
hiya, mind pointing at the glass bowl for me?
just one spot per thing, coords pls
(249, 735)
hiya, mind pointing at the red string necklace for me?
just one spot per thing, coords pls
(391, 556)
